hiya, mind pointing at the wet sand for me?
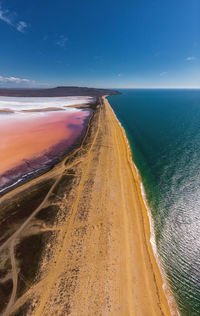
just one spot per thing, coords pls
(99, 259)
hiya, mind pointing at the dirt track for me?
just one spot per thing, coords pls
(101, 261)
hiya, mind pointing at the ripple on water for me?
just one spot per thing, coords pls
(164, 132)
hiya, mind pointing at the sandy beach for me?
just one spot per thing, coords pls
(98, 259)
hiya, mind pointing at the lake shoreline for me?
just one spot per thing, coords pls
(33, 167)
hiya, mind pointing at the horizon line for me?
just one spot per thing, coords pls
(97, 87)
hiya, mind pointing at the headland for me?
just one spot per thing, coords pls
(57, 92)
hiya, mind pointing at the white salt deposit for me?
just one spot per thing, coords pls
(18, 104)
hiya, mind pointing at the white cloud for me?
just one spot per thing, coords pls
(62, 40)
(163, 73)
(190, 58)
(21, 26)
(8, 17)
(14, 81)
(5, 16)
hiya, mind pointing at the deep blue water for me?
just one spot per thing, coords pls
(163, 127)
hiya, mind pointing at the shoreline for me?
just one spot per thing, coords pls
(150, 230)
(97, 258)
(28, 169)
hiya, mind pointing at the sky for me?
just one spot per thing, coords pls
(100, 43)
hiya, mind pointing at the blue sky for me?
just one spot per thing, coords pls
(100, 43)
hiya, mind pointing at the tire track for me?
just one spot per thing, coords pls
(11, 241)
(65, 234)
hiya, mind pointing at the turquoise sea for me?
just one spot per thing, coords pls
(163, 127)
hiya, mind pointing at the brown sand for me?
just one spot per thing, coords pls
(7, 111)
(49, 109)
(101, 259)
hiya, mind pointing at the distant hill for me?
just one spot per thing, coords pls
(57, 92)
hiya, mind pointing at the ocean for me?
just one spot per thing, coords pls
(163, 128)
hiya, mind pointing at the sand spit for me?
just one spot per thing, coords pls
(7, 111)
(96, 258)
(44, 110)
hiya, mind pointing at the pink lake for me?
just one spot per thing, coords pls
(29, 136)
